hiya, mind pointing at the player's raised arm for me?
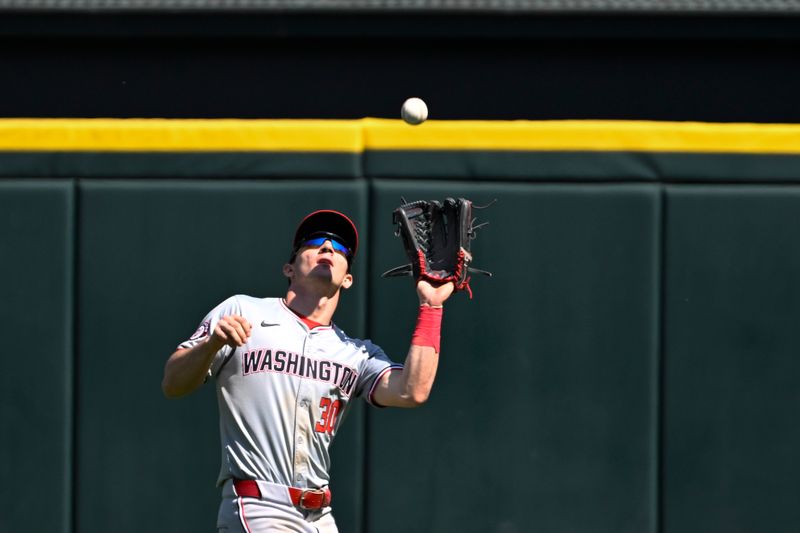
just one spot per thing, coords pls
(187, 368)
(436, 237)
(412, 386)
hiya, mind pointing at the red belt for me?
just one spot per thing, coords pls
(308, 499)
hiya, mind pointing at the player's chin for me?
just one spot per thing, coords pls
(328, 281)
(321, 273)
(322, 270)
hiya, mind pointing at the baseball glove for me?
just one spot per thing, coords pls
(436, 237)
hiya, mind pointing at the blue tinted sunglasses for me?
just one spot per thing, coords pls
(336, 244)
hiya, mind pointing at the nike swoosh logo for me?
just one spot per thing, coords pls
(265, 324)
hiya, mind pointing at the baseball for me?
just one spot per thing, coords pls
(414, 111)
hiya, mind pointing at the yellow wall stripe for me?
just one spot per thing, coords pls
(354, 136)
(582, 135)
(173, 135)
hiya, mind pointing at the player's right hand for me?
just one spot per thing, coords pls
(232, 330)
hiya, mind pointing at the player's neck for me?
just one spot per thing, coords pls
(313, 306)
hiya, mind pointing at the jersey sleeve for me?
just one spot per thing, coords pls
(228, 307)
(373, 368)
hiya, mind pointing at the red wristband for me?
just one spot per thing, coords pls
(429, 327)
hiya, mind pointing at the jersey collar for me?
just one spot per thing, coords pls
(307, 322)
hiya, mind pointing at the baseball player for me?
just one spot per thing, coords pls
(286, 376)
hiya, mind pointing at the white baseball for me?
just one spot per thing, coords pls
(414, 111)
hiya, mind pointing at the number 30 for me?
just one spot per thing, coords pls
(330, 409)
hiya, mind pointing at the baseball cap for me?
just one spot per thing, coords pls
(327, 221)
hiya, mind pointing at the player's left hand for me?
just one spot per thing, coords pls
(434, 294)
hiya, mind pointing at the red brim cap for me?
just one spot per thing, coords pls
(328, 221)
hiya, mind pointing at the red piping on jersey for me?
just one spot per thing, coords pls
(242, 517)
(304, 319)
(310, 323)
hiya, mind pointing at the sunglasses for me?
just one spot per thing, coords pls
(336, 244)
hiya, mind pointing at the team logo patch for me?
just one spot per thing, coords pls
(202, 331)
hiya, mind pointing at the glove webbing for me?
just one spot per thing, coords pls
(454, 277)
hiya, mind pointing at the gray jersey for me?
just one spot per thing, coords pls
(283, 395)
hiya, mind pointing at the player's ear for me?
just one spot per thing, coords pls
(288, 270)
(347, 282)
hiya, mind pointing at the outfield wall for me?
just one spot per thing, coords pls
(631, 366)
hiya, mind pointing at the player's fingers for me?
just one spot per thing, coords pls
(235, 338)
(233, 330)
(240, 332)
(246, 327)
(219, 331)
(227, 331)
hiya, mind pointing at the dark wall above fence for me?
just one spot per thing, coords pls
(353, 65)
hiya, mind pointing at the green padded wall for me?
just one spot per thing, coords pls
(154, 258)
(36, 297)
(631, 367)
(731, 397)
(543, 416)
